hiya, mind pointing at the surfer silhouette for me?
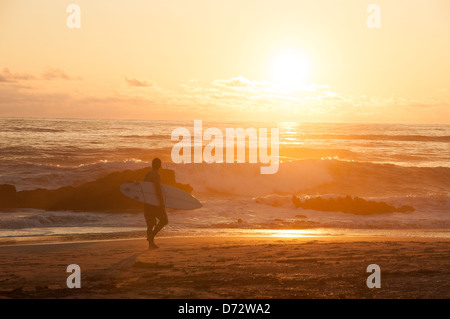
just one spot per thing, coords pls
(155, 216)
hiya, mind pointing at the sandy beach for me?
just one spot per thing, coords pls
(229, 267)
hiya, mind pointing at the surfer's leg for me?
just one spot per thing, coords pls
(150, 219)
(162, 221)
(151, 234)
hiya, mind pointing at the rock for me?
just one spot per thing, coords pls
(349, 205)
(102, 194)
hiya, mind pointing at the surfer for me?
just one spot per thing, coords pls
(153, 213)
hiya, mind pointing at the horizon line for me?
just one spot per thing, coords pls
(220, 121)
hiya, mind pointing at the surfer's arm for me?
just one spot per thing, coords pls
(159, 192)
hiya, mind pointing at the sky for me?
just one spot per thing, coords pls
(261, 60)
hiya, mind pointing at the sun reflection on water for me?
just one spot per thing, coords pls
(292, 233)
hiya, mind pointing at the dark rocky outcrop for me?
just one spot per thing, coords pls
(357, 206)
(100, 195)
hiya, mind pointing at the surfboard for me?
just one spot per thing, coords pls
(173, 197)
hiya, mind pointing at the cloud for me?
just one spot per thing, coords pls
(258, 96)
(239, 82)
(242, 84)
(45, 101)
(54, 73)
(138, 83)
(7, 76)
(49, 73)
(263, 99)
(226, 99)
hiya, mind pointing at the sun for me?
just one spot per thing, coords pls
(290, 68)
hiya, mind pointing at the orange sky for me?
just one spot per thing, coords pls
(283, 60)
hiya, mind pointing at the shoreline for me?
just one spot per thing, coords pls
(332, 233)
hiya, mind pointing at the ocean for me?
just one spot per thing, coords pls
(397, 164)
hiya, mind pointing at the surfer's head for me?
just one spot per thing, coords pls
(156, 163)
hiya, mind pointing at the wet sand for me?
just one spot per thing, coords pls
(229, 267)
